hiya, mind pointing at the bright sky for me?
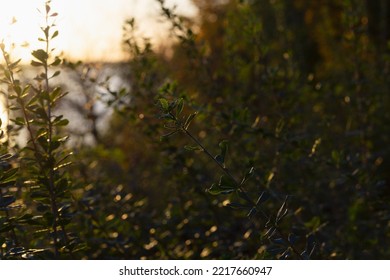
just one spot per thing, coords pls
(88, 29)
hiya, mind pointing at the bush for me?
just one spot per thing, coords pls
(261, 134)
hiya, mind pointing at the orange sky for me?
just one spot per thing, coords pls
(89, 29)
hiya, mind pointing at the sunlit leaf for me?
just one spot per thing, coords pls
(282, 212)
(262, 198)
(189, 120)
(164, 104)
(180, 105)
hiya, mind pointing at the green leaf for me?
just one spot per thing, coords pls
(163, 137)
(56, 62)
(5, 227)
(193, 148)
(167, 117)
(62, 165)
(55, 34)
(39, 195)
(235, 205)
(270, 232)
(164, 104)
(42, 142)
(55, 145)
(180, 106)
(18, 90)
(249, 174)
(25, 91)
(223, 145)
(61, 122)
(226, 182)
(189, 120)
(19, 121)
(41, 113)
(57, 94)
(36, 63)
(216, 190)
(41, 55)
(9, 176)
(14, 64)
(56, 73)
(172, 105)
(46, 31)
(29, 219)
(5, 157)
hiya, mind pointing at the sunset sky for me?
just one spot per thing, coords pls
(89, 29)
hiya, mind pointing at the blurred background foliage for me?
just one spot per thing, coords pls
(300, 89)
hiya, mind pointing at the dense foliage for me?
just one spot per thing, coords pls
(262, 132)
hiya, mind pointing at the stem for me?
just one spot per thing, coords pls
(53, 201)
(46, 166)
(21, 102)
(285, 239)
(242, 191)
(53, 197)
(35, 146)
(225, 170)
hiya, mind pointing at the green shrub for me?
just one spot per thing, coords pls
(261, 133)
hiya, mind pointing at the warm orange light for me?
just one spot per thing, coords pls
(88, 29)
(19, 25)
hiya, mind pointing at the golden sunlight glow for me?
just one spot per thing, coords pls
(19, 24)
(89, 29)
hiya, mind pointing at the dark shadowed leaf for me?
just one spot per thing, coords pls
(223, 145)
(235, 205)
(216, 190)
(41, 55)
(220, 159)
(292, 238)
(56, 73)
(193, 148)
(6, 200)
(36, 63)
(252, 212)
(226, 182)
(279, 241)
